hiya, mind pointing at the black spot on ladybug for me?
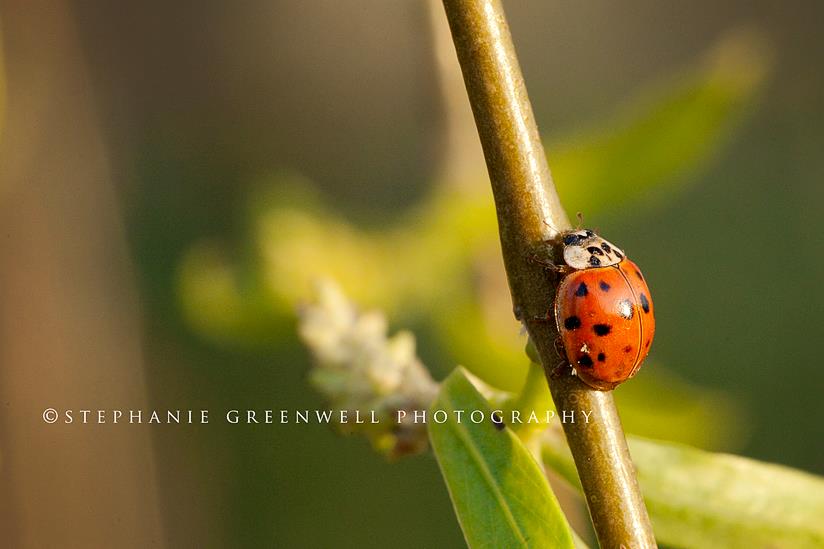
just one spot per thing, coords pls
(619, 254)
(602, 357)
(572, 323)
(625, 309)
(644, 303)
(638, 273)
(590, 233)
(582, 290)
(571, 239)
(606, 247)
(602, 329)
(628, 349)
(585, 360)
(604, 286)
(595, 250)
(594, 261)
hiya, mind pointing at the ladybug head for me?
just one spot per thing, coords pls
(583, 249)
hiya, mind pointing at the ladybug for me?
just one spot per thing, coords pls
(603, 310)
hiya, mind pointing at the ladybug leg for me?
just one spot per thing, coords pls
(563, 367)
(561, 370)
(549, 265)
(545, 263)
(559, 346)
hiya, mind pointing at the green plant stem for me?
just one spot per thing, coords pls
(529, 214)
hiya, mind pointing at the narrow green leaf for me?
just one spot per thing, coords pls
(668, 132)
(499, 492)
(701, 499)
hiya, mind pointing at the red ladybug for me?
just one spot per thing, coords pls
(603, 311)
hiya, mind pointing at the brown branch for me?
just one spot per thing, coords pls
(530, 213)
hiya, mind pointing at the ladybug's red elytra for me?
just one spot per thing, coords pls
(603, 311)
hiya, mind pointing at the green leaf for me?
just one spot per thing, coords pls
(499, 492)
(701, 499)
(666, 133)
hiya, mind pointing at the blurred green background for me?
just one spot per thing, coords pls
(175, 174)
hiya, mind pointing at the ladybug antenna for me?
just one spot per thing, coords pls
(580, 217)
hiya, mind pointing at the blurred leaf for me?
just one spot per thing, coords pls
(500, 495)
(220, 305)
(664, 135)
(660, 404)
(700, 499)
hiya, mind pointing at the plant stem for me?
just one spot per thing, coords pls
(530, 213)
